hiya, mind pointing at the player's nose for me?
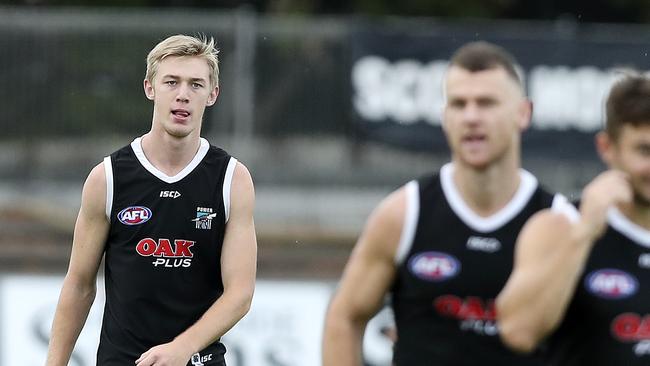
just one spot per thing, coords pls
(183, 93)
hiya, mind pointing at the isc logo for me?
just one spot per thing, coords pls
(198, 360)
(170, 194)
(134, 215)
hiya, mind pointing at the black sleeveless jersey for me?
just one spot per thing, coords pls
(608, 320)
(452, 264)
(162, 254)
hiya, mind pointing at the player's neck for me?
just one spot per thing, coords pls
(638, 214)
(169, 154)
(487, 190)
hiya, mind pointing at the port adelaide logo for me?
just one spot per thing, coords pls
(204, 216)
(134, 215)
(611, 284)
(434, 266)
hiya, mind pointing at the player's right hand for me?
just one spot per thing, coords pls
(608, 189)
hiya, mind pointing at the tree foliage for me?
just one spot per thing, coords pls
(621, 11)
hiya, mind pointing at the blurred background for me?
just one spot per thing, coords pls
(330, 104)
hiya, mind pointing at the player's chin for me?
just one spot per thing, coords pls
(478, 162)
(179, 131)
(642, 197)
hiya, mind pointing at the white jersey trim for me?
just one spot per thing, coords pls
(227, 184)
(622, 224)
(527, 186)
(410, 224)
(136, 145)
(108, 169)
(562, 205)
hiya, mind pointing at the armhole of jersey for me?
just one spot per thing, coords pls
(410, 221)
(227, 182)
(108, 169)
(562, 205)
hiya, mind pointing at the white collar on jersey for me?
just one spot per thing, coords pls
(136, 145)
(626, 227)
(527, 186)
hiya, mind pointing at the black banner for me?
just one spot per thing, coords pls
(397, 74)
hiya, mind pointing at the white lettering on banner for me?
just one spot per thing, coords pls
(569, 98)
(378, 339)
(407, 91)
(283, 328)
(27, 305)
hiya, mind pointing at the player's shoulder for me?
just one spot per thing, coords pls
(94, 191)
(241, 174)
(242, 189)
(548, 225)
(551, 217)
(397, 199)
(384, 226)
(97, 175)
(388, 216)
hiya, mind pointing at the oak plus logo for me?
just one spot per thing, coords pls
(134, 215)
(634, 328)
(473, 313)
(167, 253)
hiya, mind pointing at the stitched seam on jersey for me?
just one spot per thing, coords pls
(628, 228)
(108, 169)
(410, 221)
(562, 205)
(136, 145)
(527, 186)
(227, 183)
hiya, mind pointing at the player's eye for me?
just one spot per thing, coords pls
(644, 149)
(457, 103)
(486, 102)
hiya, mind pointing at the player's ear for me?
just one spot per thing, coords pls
(605, 146)
(212, 98)
(148, 89)
(525, 113)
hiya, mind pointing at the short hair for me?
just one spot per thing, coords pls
(182, 45)
(628, 103)
(481, 56)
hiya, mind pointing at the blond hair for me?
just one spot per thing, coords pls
(182, 45)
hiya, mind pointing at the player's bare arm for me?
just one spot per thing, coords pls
(551, 252)
(79, 286)
(238, 266)
(365, 282)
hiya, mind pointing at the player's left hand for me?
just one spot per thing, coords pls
(168, 354)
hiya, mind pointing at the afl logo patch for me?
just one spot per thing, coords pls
(611, 284)
(134, 215)
(434, 266)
